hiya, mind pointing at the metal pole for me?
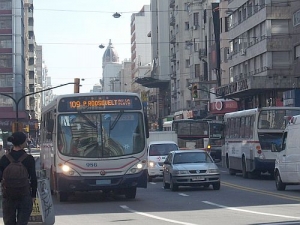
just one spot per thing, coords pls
(17, 102)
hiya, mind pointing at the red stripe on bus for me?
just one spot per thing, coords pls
(257, 142)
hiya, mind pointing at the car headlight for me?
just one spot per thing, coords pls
(67, 170)
(212, 171)
(179, 172)
(138, 167)
(151, 164)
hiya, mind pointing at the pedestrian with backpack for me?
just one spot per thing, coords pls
(18, 182)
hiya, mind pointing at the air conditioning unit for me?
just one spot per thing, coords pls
(194, 27)
(243, 51)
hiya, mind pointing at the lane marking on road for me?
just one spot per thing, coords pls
(182, 194)
(260, 191)
(152, 183)
(250, 211)
(155, 217)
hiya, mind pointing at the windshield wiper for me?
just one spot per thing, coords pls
(112, 126)
(86, 118)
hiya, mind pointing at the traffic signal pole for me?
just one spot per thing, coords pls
(17, 102)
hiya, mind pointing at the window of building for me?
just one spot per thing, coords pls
(5, 41)
(186, 26)
(6, 80)
(281, 59)
(196, 19)
(280, 26)
(296, 18)
(297, 52)
(187, 63)
(197, 70)
(6, 102)
(5, 22)
(5, 5)
(6, 61)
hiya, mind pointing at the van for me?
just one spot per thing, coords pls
(287, 164)
(157, 154)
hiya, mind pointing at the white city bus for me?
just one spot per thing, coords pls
(94, 142)
(249, 138)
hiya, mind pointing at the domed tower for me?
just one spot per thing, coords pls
(110, 55)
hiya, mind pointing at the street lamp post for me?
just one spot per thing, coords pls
(17, 102)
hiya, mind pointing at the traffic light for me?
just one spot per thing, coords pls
(195, 91)
(76, 85)
(26, 128)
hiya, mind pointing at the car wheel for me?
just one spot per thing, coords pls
(165, 185)
(130, 193)
(149, 179)
(217, 186)
(174, 187)
(279, 185)
(244, 169)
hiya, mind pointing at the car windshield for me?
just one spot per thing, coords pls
(191, 157)
(97, 135)
(161, 149)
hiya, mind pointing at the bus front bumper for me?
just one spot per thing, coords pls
(84, 183)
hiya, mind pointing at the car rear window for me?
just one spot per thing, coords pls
(161, 149)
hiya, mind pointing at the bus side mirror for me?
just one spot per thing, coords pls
(146, 125)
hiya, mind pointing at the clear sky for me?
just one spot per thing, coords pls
(70, 32)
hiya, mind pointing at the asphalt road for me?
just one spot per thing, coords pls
(239, 201)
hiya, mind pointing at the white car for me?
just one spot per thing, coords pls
(190, 168)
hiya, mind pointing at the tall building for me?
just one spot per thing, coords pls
(158, 78)
(260, 55)
(46, 96)
(111, 68)
(140, 45)
(12, 62)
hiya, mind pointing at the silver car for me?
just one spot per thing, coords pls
(190, 168)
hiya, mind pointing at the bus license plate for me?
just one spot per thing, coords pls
(101, 182)
(198, 178)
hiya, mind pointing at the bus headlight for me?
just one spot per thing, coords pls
(138, 167)
(69, 171)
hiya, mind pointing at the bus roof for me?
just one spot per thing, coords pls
(255, 110)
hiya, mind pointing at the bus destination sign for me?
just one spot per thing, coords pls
(94, 103)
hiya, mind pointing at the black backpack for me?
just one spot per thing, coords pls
(15, 179)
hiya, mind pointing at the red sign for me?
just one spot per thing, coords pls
(222, 107)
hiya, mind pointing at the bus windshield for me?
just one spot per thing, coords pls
(192, 128)
(275, 118)
(100, 135)
(216, 130)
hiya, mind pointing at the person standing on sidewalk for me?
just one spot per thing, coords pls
(17, 207)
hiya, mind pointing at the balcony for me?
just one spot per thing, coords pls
(173, 75)
(172, 21)
(172, 4)
(202, 53)
(173, 39)
(173, 57)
